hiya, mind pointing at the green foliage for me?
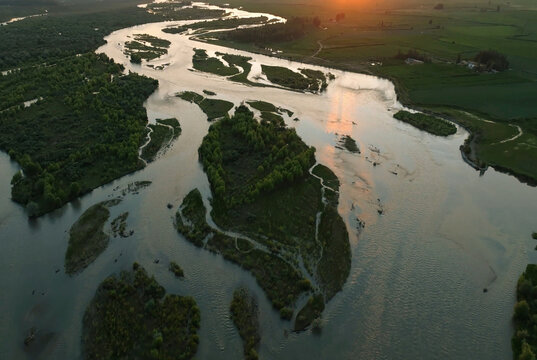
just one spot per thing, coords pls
(174, 123)
(244, 313)
(286, 313)
(311, 311)
(136, 58)
(86, 129)
(493, 60)
(195, 228)
(213, 108)
(160, 137)
(293, 29)
(130, 317)
(65, 33)
(86, 238)
(176, 269)
(329, 178)
(293, 80)
(524, 341)
(263, 106)
(335, 264)
(281, 282)
(202, 62)
(349, 143)
(261, 187)
(216, 24)
(431, 124)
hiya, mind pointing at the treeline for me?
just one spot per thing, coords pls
(293, 29)
(285, 157)
(413, 54)
(83, 132)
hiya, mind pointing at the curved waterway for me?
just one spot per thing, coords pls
(415, 290)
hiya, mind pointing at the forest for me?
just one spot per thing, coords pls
(132, 317)
(84, 130)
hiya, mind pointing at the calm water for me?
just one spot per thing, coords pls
(415, 290)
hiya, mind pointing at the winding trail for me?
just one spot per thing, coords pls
(520, 133)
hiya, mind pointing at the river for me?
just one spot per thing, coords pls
(415, 290)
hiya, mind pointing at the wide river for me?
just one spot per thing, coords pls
(415, 290)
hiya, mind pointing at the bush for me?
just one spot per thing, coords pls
(493, 60)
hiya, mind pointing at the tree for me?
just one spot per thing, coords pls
(522, 310)
(527, 353)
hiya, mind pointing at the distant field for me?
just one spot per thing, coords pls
(369, 38)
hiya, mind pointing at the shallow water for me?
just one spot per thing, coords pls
(415, 290)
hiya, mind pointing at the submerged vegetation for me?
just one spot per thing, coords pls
(131, 317)
(524, 342)
(213, 108)
(244, 313)
(87, 240)
(431, 124)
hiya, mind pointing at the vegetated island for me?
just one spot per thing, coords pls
(244, 313)
(348, 143)
(213, 108)
(216, 24)
(305, 80)
(176, 269)
(429, 123)
(524, 341)
(131, 317)
(202, 62)
(162, 133)
(262, 188)
(87, 240)
(59, 160)
(146, 47)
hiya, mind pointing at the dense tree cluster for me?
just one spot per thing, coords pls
(53, 37)
(492, 60)
(524, 342)
(285, 158)
(84, 130)
(131, 317)
(293, 29)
